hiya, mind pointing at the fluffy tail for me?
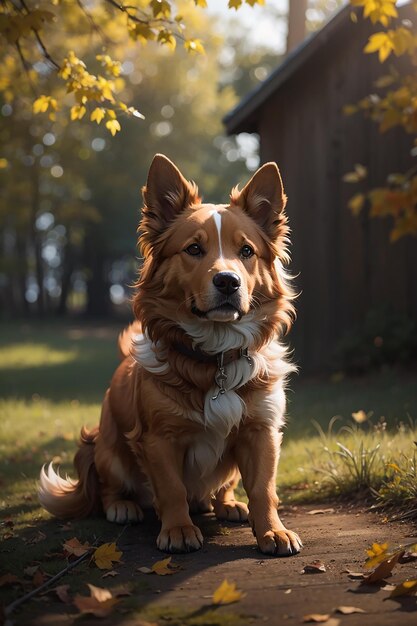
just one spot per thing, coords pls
(70, 499)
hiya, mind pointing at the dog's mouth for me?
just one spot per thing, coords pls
(225, 312)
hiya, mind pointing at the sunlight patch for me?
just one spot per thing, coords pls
(21, 356)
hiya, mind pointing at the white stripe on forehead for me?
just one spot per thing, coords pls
(218, 221)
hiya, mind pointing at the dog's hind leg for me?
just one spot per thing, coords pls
(226, 507)
(121, 481)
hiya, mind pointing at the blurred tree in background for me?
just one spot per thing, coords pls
(71, 189)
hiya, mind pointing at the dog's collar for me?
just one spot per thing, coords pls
(221, 359)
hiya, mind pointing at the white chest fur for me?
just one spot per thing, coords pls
(223, 412)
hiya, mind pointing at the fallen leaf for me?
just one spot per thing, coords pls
(376, 554)
(100, 602)
(227, 593)
(383, 570)
(38, 578)
(9, 579)
(316, 567)
(407, 588)
(73, 547)
(348, 610)
(8, 535)
(145, 570)
(62, 593)
(287, 591)
(165, 567)
(316, 617)
(106, 555)
(31, 570)
(39, 536)
(320, 511)
(355, 575)
(112, 573)
(408, 556)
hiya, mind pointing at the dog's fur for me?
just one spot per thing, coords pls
(169, 436)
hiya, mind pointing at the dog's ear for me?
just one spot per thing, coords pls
(263, 199)
(165, 195)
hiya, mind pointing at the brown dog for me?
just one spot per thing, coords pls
(198, 399)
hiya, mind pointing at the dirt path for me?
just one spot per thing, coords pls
(276, 591)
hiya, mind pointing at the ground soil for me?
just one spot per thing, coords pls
(276, 590)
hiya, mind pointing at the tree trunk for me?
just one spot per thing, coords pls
(296, 23)
(67, 271)
(35, 241)
(98, 300)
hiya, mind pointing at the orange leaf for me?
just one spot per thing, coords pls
(383, 570)
(9, 579)
(100, 602)
(75, 548)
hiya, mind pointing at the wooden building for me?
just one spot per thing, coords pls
(345, 266)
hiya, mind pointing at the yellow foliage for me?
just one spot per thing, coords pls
(377, 10)
(194, 45)
(97, 115)
(113, 126)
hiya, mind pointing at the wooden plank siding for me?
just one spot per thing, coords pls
(344, 265)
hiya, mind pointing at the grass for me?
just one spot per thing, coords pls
(52, 379)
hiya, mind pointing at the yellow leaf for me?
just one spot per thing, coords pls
(97, 115)
(394, 466)
(41, 104)
(201, 3)
(383, 570)
(106, 554)
(3, 163)
(377, 549)
(359, 416)
(194, 45)
(406, 588)
(113, 126)
(349, 109)
(235, 4)
(165, 567)
(227, 593)
(77, 112)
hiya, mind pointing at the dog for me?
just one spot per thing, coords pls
(198, 400)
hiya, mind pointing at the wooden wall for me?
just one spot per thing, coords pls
(346, 265)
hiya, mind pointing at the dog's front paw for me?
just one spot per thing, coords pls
(232, 511)
(123, 512)
(280, 542)
(180, 539)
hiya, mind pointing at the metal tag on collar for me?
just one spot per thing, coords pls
(220, 376)
(245, 354)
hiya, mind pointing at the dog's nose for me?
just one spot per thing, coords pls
(226, 282)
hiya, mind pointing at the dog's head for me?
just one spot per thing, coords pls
(213, 263)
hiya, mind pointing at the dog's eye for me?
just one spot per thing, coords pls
(194, 250)
(247, 251)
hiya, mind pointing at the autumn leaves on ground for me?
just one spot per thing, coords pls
(52, 380)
